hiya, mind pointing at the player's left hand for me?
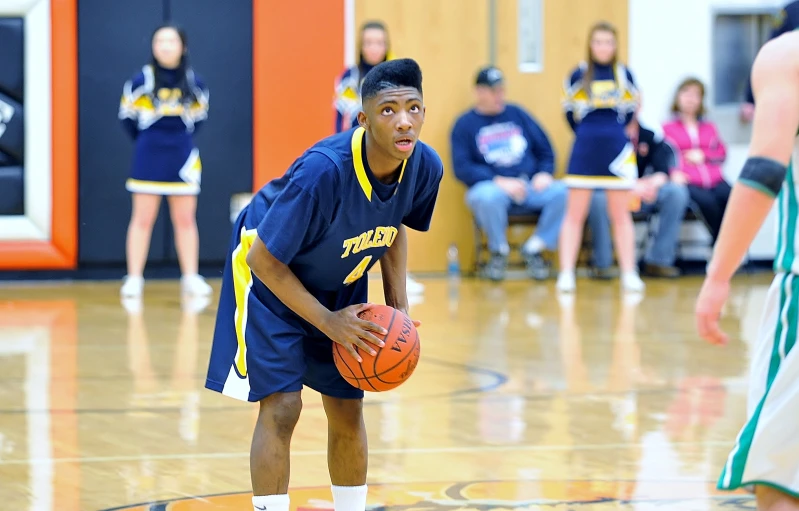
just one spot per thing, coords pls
(711, 300)
(541, 181)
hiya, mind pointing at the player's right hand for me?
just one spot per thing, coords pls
(346, 328)
(709, 304)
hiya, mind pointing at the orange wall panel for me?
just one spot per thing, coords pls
(298, 50)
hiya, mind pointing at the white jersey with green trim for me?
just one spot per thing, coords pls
(787, 260)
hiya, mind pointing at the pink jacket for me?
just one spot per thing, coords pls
(709, 173)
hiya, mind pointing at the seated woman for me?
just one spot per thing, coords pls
(700, 154)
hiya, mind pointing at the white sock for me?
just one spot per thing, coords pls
(349, 498)
(271, 503)
(534, 245)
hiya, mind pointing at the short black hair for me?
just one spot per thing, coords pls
(391, 75)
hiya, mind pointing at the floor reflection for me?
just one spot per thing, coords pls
(591, 401)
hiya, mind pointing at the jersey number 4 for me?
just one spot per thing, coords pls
(358, 271)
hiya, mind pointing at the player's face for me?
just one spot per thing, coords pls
(689, 99)
(603, 46)
(373, 46)
(167, 47)
(394, 118)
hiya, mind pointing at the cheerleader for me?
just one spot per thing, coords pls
(162, 107)
(600, 100)
(374, 49)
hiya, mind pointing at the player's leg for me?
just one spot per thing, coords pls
(599, 224)
(183, 211)
(347, 452)
(137, 246)
(571, 236)
(256, 357)
(624, 238)
(771, 499)
(489, 205)
(765, 454)
(269, 452)
(346, 441)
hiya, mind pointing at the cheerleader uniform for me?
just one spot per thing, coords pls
(162, 124)
(602, 155)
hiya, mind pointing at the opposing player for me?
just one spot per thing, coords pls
(295, 280)
(765, 458)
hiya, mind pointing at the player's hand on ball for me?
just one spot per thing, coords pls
(346, 328)
(711, 300)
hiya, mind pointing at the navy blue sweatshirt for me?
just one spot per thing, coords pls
(510, 144)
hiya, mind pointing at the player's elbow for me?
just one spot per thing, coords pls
(764, 173)
(261, 262)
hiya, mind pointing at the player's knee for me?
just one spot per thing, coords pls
(280, 413)
(344, 414)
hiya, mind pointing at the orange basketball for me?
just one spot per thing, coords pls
(393, 364)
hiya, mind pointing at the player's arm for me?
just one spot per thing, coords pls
(775, 79)
(279, 278)
(393, 266)
(279, 241)
(342, 326)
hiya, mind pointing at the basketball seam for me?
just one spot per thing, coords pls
(413, 348)
(336, 353)
(377, 355)
(357, 378)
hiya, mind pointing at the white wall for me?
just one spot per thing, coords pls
(670, 40)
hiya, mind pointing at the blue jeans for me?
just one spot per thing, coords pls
(670, 205)
(490, 207)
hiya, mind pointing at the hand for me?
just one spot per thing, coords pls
(708, 310)
(346, 328)
(695, 156)
(541, 181)
(747, 112)
(632, 131)
(514, 187)
(646, 190)
(679, 178)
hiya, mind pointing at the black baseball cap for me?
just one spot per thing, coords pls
(490, 77)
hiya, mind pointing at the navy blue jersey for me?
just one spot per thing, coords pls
(330, 220)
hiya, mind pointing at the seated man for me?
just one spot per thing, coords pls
(657, 194)
(506, 160)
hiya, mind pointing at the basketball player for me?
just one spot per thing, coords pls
(295, 280)
(765, 458)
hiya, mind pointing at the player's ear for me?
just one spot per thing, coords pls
(363, 121)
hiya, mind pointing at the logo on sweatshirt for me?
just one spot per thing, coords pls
(527, 495)
(502, 144)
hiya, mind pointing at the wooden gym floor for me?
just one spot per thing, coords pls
(520, 401)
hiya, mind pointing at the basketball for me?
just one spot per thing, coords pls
(393, 364)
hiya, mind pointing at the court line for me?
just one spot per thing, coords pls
(416, 450)
(457, 398)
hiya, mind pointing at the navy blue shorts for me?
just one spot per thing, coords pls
(258, 352)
